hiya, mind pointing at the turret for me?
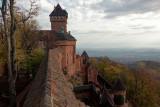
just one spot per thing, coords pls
(58, 19)
(85, 57)
(119, 94)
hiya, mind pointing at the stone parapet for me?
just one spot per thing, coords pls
(50, 88)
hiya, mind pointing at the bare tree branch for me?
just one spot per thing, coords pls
(31, 12)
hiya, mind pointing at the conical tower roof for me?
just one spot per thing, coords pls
(85, 57)
(119, 86)
(58, 11)
(84, 54)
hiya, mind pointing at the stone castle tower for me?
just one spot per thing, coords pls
(59, 37)
(119, 94)
(58, 19)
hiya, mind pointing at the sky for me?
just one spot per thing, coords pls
(100, 24)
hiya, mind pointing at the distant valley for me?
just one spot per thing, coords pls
(125, 56)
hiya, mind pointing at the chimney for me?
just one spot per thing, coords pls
(54, 8)
(69, 32)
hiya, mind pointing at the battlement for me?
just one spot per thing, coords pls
(58, 19)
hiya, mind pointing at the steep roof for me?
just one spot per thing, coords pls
(58, 11)
(106, 83)
(64, 36)
(58, 36)
(82, 88)
(85, 57)
(106, 99)
(84, 54)
(119, 86)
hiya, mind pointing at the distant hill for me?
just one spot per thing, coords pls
(148, 64)
(150, 67)
(125, 56)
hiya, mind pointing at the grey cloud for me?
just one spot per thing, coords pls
(139, 26)
(148, 27)
(93, 32)
(124, 7)
(145, 33)
(137, 19)
(101, 33)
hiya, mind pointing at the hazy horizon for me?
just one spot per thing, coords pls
(125, 56)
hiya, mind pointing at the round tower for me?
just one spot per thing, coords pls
(119, 94)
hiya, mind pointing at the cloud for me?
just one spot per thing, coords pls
(108, 23)
(115, 8)
(139, 26)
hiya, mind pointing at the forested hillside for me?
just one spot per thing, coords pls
(151, 67)
(142, 89)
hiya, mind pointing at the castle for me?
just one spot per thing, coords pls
(61, 63)
(59, 37)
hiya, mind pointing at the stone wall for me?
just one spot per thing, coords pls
(56, 24)
(68, 50)
(78, 62)
(83, 73)
(92, 74)
(68, 55)
(50, 87)
(89, 73)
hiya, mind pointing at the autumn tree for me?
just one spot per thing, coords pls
(10, 27)
(29, 36)
(109, 69)
(11, 48)
(142, 89)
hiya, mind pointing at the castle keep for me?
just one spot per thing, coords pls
(59, 37)
(50, 87)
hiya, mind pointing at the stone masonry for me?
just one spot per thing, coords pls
(50, 87)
